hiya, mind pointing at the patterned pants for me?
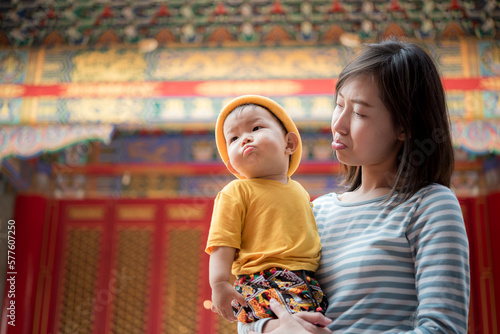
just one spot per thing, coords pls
(297, 291)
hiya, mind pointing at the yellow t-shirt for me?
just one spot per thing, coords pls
(269, 223)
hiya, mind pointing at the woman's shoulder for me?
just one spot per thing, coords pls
(435, 190)
(323, 202)
(436, 197)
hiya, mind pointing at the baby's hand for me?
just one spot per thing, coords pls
(222, 295)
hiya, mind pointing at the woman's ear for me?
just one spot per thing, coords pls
(401, 135)
(292, 142)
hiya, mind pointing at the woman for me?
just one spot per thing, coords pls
(394, 249)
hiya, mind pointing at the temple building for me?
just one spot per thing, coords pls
(108, 162)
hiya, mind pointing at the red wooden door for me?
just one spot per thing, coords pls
(482, 311)
(127, 266)
(138, 266)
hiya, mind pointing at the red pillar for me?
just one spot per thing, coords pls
(493, 201)
(482, 311)
(24, 239)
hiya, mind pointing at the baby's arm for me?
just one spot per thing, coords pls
(223, 292)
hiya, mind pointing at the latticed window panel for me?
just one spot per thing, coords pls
(132, 279)
(182, 282)
(79, 303)
(223, 326)
(226, 327)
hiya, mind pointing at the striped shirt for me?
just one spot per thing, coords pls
(394, 270)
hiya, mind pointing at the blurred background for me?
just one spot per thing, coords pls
(108, 164)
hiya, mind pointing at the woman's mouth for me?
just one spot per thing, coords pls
(337, 146)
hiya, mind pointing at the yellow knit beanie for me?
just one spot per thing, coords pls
(275, 108)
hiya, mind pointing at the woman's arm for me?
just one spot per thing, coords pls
(441, 254)
(223, 292)
(256, 326)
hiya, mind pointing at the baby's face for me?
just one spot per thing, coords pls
(256, 143)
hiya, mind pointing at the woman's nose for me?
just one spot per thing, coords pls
(340, 122)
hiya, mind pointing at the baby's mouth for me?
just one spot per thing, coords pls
(248, 149)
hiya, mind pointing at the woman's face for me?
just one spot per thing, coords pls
(362, 127)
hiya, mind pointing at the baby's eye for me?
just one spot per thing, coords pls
(233, 139)
(257, 128)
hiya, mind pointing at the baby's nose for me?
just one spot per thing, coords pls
(247, 139)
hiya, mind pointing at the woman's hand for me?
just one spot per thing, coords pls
(299, 323)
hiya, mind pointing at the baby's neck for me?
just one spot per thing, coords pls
(280, 178)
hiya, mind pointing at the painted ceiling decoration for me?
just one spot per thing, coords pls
(29, 141)
(241, 22)
(173, 64)
(176, 89)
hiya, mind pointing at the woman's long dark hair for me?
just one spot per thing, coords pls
(410, 88)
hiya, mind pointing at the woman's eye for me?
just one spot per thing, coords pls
(338, 106)
(358, 114)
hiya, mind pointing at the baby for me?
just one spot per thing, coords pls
(263, 229)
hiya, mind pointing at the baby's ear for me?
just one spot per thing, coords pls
(292, 142)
